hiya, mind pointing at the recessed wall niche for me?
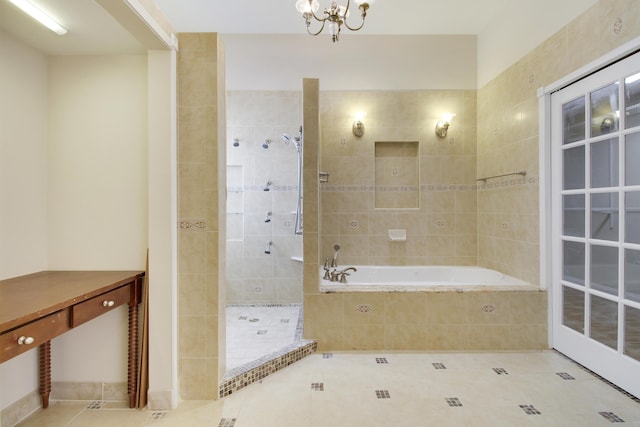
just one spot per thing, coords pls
(397, 173)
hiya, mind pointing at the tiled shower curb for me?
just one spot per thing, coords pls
(249, 373)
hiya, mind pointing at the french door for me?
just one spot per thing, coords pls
(595, 163)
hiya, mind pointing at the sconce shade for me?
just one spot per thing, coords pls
(358, 128)
(442, 127)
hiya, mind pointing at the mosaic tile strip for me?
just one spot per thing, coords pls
(500, 371)
(604, 380)
(530, 410)
(453, 401)
(327, 355)
(508, 182)
(284, 320)
(262, 332)
(383, 394)
(611, 417)
(96, 404)
(317, 386)
(439, 365)
(242, 318)
(193, 225)
(227, 422)
(242, 376)
(565, 376)
(381, 360)
(241, 188)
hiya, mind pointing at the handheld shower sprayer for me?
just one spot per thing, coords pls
(267, 250)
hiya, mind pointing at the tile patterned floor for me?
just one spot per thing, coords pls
(410, 389)
(254, 331)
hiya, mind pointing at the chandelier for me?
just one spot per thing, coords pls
(333, 17)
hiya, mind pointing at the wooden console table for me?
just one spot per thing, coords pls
(39, 307)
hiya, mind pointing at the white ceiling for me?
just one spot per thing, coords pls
(93, 31)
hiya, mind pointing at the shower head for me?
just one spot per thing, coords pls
(267, 185)
(267, 218)
(266, 143)
(295, 140)
(268, 248)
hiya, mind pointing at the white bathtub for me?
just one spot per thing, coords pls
(423, 278)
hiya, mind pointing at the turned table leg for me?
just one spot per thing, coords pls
(133, 354)
(45, 372)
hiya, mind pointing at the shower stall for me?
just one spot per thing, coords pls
(264, 223)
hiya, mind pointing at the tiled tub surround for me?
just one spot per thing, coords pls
(476, 320)
(442, 229)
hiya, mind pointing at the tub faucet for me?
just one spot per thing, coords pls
(344, 273)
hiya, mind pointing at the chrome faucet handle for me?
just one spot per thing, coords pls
(326, 263)
(327, 275)
(343, 277)
(334, 276)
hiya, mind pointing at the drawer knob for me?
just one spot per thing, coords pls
(108, 303)
(25, 340)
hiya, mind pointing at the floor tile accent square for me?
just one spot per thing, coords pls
(565, 376)
(327, 355)
(530, 410)
(157, 415)
(453, 401)
(380, 360)
(227, 422)
(262, 332)
(317, 386)
(383, 394)
(439, 365)
(242, 318)
(610, 416)
(96, 404)
(500, 371)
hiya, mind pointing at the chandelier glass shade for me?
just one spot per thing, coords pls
(333, 18)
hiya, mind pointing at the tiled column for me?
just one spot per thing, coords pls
(201, 124)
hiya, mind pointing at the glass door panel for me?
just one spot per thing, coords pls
(574, 168)
(604, 163)
(632, 147)
(573, 215)
(632, 101)
(632, 335)
(573, 119)
(604, 110)
(573, 262)
(632, 275)
(573, 309)
(604, 269)
(632, 217)
(604, 321)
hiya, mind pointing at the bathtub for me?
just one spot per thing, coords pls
(424, 278)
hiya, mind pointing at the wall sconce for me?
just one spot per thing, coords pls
(358, 126)
(443, 124)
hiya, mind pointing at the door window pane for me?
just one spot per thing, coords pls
(573, 262)
(573, 119)
(573, 215)
(632, 148)
(573, 309)
(632, 217)
(632, 274)
(632, 332)
(604, 321)
(604, 216)
(632, 100)
(604, 110)
(573, 168)
(604, 269)
(604, 163)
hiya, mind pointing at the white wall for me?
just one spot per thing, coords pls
(518, 29)
(23, 137)
(356, 62)
(97, 180)
(97, 195)
(23, 216)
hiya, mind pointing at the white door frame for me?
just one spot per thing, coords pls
(544, 141)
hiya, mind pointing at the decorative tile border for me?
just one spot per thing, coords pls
(192, 224)
(249, 373)
(383, 394)
(435, 187)
(530, 410)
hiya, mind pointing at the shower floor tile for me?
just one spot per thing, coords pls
(254, 331)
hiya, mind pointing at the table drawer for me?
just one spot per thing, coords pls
(94, 307)
(33, 334)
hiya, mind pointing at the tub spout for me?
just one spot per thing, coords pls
(344, 273)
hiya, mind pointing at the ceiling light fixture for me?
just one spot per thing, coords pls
(37, 14)
(333, 17)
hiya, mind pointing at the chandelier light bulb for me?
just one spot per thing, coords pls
(333, 18)
(306, 6)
